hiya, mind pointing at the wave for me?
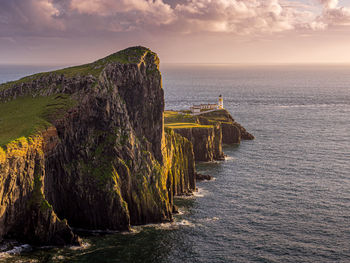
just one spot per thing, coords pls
(208, 181)
(200, 192)
(16, 250)
(229, 158)
(171, 225)
(181, 212)
(211, 219)
(84, 245)
(133, 230)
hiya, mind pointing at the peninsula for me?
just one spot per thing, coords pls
(91, 147)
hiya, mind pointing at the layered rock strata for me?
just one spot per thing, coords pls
(207, 142)
(106, 162)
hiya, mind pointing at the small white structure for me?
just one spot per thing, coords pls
(209, 106)
(196, 109)
(221, 102)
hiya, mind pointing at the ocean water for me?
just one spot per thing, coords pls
(284, 197)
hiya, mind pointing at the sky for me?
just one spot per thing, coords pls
(67, 32)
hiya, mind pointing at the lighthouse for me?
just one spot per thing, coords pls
(221, 102)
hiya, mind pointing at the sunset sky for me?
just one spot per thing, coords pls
(190, 31)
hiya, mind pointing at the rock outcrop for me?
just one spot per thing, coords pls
(231, 134)
(106, 162)
(24, 212)
(202, 177)
(232, 131)
(181, 174)
(207, 132)
(207, 142)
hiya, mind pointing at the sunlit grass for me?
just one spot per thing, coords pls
(186, 125)
(25, 116)
(176, 117)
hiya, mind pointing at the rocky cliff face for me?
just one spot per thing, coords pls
(107, 162)
(24, 212)
(180, 171)
(232, 131)
(207, 142)
(207, 132)
(231, 134)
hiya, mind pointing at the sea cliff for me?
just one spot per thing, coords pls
(207, 131)
(86, 147)
(91, 151)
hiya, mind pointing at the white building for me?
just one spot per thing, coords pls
(221, 102)
(209, 106)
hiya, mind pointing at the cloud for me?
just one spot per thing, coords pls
(150, 12)
(333, 14)
(69, 18)
(28, 17)
(240, 17)
(329, 4)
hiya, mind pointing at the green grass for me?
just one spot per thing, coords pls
(178, 120)
(222, 116)
(129, 55)
(25, 116)
(186, 125)
(176, 117)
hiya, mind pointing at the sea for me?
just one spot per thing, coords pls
(283, 197)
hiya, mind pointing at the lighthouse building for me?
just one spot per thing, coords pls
(209, 106)
(221, 102)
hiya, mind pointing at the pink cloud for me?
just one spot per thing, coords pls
(235, 17)
(333, 14)
(153, 12)
(240, 17)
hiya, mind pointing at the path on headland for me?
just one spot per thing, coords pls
(199, 113)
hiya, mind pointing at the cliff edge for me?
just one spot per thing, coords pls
(207, 131)
(85, 147)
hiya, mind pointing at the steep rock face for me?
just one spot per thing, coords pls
(106, 163)
(24, 212)
(245, 135)
(207, 142)
(232, 131)
(45, 85)
(110, 153)
(180, 165)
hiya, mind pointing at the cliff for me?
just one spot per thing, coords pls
(105, 161)
(24, 212)
(180, 171)
(232, 131)
(206, 141)
(207, 132)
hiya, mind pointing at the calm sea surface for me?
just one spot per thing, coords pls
(284, 197)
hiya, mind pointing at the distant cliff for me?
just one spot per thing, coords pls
(232, 131)
(207, 141)
(207, 132)
(89, 147)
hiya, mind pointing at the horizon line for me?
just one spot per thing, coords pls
(193, 63)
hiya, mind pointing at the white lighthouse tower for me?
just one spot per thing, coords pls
(221, 102)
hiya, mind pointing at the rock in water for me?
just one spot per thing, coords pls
(202, 177)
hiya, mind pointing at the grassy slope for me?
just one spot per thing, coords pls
(186, 125)
(222, 116)
(26, 115)
(176, 120)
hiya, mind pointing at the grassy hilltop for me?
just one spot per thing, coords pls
(24, 116)
(182, 119)
(179, 120)
(130, 55)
